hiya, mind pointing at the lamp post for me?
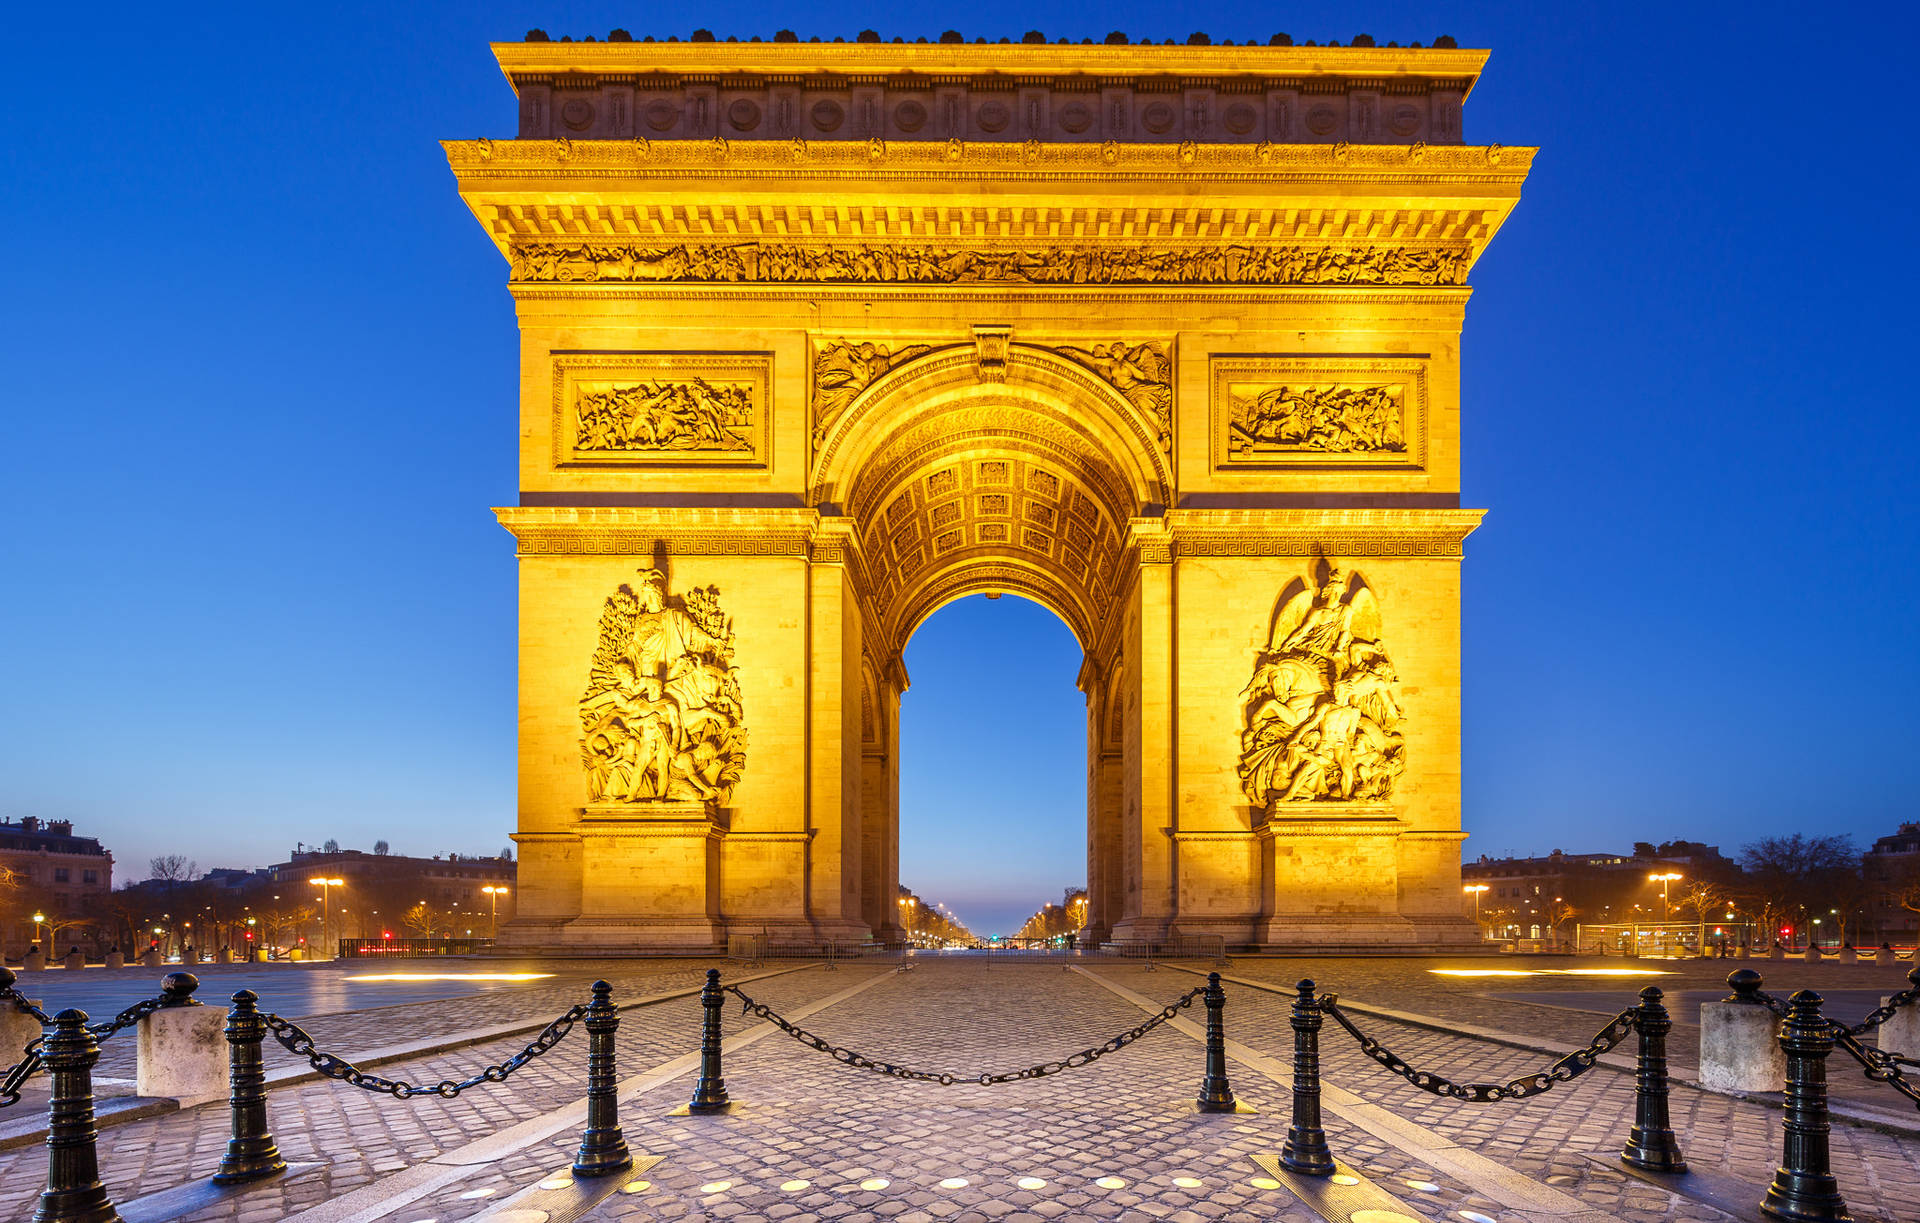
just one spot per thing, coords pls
(39, 919)
(1664, 880)
(326, 887)
(493, 917)
(1475, 889)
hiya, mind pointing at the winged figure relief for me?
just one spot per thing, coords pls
(1142, 373)
(661, 716)
(841, 371)
(1320, 718)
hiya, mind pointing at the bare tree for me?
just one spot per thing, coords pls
(1559, 913)
(380, 848)
(1700, 898)
(172, 868)
(1793, 875)
(422, 918)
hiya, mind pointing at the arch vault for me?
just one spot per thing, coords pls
(818, 338)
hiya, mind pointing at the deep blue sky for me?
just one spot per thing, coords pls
(258, 391)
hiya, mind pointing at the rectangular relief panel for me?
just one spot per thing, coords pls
(615, 410)
(1279, 412)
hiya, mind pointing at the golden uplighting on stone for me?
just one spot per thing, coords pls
(1187, 377)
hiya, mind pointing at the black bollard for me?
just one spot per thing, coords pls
(1651, 1144)
(1306, 1149)
(1216, 1094)
(710, 1093)
(74, 1193)
(251, 1152)
(1803, 1190)
(603, 1148)
(1745, 984)
(176, 989)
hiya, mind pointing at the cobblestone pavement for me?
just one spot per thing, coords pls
(816, 1139)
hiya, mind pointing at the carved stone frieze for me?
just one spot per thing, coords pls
(843, 369)
(665, 416)
(1332, 419)
(1320, 717)
(660, 721)
(771, 263)
(1284, 411)
(660, 409)
(1142, 373)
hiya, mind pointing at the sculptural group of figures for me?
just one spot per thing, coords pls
(696, 415)
(661, 717)
(1093, 265)
(1338, 419)
(1320, 717)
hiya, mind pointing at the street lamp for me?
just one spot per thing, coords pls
(1664, 880)
(326, 887)
(39, 919)
(493, 896)
(1475, 889)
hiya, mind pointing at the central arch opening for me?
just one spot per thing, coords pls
(993, 776)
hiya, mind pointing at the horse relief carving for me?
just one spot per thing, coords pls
(661, 718)
(1320, 717)
(1331, 419)
(665, 415)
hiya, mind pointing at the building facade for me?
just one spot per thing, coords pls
(816, 338)
(52, 872)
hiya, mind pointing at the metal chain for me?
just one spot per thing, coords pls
(17, 1075)
(1565, 1070)
(127, 1018)
(1906, 997)
(860, 1062)
(298, 1043)
(1881, 1065)
(21, 1004)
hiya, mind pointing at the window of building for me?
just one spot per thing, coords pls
(89, 876)
(60, 874)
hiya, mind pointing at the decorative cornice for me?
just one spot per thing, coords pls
(1364, 532)
(477, 161)
(519, 60)
(643, 531)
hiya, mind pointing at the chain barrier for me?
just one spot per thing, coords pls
(15, 1079)
(858, 1061)
(1906, 997)
(1565, 1070)
(296, 1041)
(1879, 1065)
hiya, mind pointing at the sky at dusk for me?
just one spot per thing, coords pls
(259, 392)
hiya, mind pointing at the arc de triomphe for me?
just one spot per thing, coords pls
(816, 338)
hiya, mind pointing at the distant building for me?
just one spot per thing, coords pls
(1600, 887)
(376, 890)
(1892, 872)
(56, 873)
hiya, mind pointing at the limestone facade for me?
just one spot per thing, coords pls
(1200, 398)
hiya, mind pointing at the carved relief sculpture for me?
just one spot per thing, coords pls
(1333, 419)
(1320, 718)
(660, 720)
(695, 415)
(756, 263)
(842, 370)
(1143, 373)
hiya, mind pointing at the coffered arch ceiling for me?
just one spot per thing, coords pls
(959, 486)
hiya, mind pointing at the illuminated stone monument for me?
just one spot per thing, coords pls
(816, 338)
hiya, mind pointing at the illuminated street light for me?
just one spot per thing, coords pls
(1664, 880)
(326, 887)
(39, 919)
(1475, 889)
(493, 895)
